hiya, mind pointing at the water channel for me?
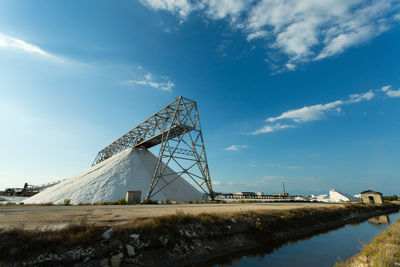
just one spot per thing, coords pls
(319, 250)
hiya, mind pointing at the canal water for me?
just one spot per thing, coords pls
(319, 250)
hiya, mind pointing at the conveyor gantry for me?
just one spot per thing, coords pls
(176, 127)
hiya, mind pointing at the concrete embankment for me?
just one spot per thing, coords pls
(179, 239)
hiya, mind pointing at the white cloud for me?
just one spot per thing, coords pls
(294, 117)
(181, 7)
(393, 93)
(164, 86)
(218, 9)
(11, 42)
(303, 30)
(256, 35)
(355, 98)
(290, 66)
(235, 147)
(148, 76)
(307, 113)
(150, 80)
(272, 128)
(389, 92)
(365, 22)
(215, 9)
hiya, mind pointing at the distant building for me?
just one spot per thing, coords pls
(371, 197)
(383, 219)
(260, 193)
(246, 193)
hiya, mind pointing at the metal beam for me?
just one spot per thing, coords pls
(176, 128)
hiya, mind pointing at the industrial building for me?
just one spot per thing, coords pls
(371, 197)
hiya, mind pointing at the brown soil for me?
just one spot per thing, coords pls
(55, 217)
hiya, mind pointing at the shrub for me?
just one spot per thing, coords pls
(390, 198)
(149, 201)
(67, 202)
(122, 201)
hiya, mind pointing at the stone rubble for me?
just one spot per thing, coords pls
(134, 236)
(116, 260)
(76, 254)
(130, 250)
(107, 234)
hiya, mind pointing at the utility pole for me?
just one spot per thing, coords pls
(284, 192)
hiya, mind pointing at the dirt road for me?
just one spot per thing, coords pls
(58, 216)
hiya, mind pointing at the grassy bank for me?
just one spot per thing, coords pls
(383, 251)
(179, 238)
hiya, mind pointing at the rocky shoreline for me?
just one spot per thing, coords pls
(175, 240)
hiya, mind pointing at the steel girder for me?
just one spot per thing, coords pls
(176, 128)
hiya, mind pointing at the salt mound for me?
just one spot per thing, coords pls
(338, 196)
(109, 180)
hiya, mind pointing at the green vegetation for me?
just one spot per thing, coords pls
(390, 198)
(122, 201)
(149, 201)
(67, 202)
(383, 251)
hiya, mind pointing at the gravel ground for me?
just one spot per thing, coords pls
(58, 216)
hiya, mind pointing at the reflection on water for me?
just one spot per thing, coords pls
(323, 249)
(383, 219)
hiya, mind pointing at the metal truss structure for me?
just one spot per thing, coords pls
(176, 128)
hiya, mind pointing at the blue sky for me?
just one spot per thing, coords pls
(305, 92)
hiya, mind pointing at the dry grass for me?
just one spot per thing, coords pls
(261, 225)
(28, 242)
(383, 251)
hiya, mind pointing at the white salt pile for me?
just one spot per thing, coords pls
(109, 180)
(338, 196)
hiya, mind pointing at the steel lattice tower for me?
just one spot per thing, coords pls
(176, 128)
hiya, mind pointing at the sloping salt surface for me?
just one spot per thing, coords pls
(109, 180)
(338, 196)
